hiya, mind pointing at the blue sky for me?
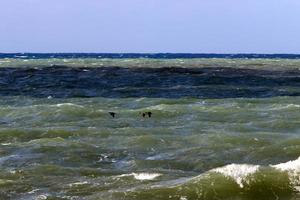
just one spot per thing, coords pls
(189, 26)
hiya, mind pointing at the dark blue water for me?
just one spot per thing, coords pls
(120, 82)
(145, 55)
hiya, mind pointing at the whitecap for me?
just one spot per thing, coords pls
(68, 104)
(241, 172)
(41, 197)
(5, 61)
(21, 56)
(293, 169)
(146, 176)
(140, 99)
(158, 107)
(293, 165)
(78, 183)
(238, 172)
(33, 191)
(142, 176)
(5, 144)
(283, 107)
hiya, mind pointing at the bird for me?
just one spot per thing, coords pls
(147, 113)
(113, 114)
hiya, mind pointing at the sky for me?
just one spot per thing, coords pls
(150, 26)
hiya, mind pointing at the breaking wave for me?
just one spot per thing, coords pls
(232, 181)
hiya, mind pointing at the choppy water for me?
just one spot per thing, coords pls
(222, 128)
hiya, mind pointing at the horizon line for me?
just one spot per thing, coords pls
(140, 53)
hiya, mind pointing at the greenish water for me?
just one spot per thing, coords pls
(73, 148)
(231, 147)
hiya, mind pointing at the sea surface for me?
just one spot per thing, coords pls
(222, 127)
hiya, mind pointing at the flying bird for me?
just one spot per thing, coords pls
(113, 114)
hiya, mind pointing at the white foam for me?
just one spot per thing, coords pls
(78, 183)
(158, 107)
(293, 165)
(5, 144)
(68, 104)
(142, 176)
(293, 105)
(146, 176)
(4, 61)
(282, 107)
(33, 191)
(293, 169)
(21, 56)
(238, 172)
(140, 99)
(41, 197)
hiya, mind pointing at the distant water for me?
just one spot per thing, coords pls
(145, 55)
(222, 126)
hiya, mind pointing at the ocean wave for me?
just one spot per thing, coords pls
(293, 169)
(241, 173)
(275, 107)
(237, 172)
(233, 181)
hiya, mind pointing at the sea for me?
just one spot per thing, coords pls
(149, 126)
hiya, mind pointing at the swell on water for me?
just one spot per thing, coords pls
(233, 181)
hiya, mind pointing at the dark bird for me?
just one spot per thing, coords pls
(149, 114)
(112, 114)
